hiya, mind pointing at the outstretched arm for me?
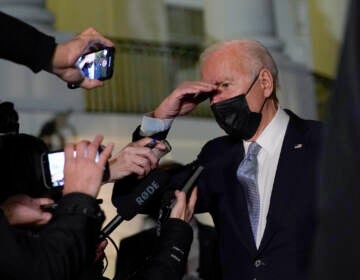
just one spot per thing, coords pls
(28, 46)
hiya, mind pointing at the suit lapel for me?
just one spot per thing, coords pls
(289, 167)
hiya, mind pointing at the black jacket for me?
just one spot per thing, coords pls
(167, 257)
(137, 249)
(23, 44)
(60, 250)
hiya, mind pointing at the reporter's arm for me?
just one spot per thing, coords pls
(175, 240)
(25, 44)
(68, 242)
(30, 47)
(60, 250)
(23, 210)
(66, 54)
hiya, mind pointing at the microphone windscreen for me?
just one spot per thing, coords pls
(142, 194)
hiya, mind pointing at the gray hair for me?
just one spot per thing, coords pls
(256, 56)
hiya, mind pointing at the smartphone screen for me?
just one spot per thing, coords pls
(56, 168)
(98, 64)
(53, 169)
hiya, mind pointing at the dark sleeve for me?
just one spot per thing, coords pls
(25, 45)
(169, 262)
(60, 250)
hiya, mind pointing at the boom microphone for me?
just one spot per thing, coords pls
(142, 194)
(128, 206)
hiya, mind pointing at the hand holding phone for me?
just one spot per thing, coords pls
(159, 153)
(98, 63)
(52, 165)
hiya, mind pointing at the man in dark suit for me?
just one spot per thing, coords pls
(265, 225)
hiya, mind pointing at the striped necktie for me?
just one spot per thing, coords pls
(247, 176)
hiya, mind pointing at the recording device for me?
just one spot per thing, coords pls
(148, 189)
(50, 207)
(128, 206)
(98, 63)
(168, 199)
(52, 166)
(20, 165)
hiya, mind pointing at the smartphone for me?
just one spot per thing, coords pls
(52, 165)
(97, 64)
(159, 154)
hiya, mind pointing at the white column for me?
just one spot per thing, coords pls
(231, 19)
(29, 91)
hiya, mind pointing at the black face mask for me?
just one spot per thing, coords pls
(234, 116)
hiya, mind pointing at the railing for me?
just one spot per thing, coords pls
(144, 73)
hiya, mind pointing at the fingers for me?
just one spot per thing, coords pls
(100, 249)
(142, 142)
(181, 101)
(92, 36)
(192, 200)
(69, 152)
(193, 88)
(179, 209)
(44, 218)
(84, 172)
(43, 200)
(93, 149)
(91, 83)
(82, 149)
(137, 160)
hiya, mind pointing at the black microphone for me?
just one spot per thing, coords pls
(128, 206)
(168, 198)
(110, 226)
(142, 194)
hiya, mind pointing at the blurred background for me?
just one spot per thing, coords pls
(157, 47)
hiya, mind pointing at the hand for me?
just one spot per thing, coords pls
(134, 158)
(181, 101)
(24, 210)
(100, 250)
(81, 172)
(67, 53)
(180, 209)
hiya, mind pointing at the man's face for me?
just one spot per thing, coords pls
(222, 69)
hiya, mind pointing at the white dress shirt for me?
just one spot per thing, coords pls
(270, 140)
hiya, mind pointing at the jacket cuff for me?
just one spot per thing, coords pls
(176, 232)
(80, 204)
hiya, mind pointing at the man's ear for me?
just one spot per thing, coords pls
(266, 82)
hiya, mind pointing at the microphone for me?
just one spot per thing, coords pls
(143, 194)
(168, 198)
(128, 206)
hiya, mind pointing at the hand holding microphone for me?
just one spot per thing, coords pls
(147, 189)
(138, 158)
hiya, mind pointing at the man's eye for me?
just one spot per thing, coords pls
(225, 85)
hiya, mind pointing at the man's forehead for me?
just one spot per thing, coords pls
(220, 70)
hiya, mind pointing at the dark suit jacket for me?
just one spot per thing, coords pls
(285, 248)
